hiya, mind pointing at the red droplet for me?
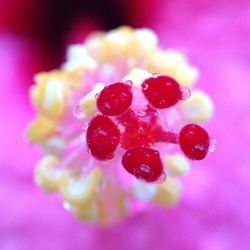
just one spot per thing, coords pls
(194, 141)
(103, 137)
(115, 99)
(161, 91)
(144, 163)
(141, 127)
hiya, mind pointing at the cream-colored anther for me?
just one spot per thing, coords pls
(118, 38)
(82, 190)
(53, 100)
(78, 60)
(143, 191)
(87, 212)
(165, 62)
(118, 43)
(46, 174)
(198, 108)
(69, 79)
(176, 164)
(88, 102)
(49, 97)
(36, 93)
(146, 41)
(54, 145)
(186, 75)
(95, 46)
(75, 52)
(40, 129)
(137, 76)
(168, 193)
(52, 91)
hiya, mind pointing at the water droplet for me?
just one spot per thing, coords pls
(89, 151)
(85, 126)
(144, 86)
(78, 112)
(154, 75)
(97, 95)
(142, 172)
(141, 179)
(156, 153)
(185, 93)
(129, 83)
(162, 178)
(140, 130)
(162, 102)
(66, 205)
(212, 144)
(106, 105)
(114, 139)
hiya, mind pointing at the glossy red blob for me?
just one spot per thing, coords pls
(103, 137)
(115, 99)
(161, 91)
(194, 141)
(141, 127)
(144, 163)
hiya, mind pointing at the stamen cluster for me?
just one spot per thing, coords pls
(105, 111)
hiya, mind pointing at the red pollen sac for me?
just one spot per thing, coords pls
(103, 137)
(144, 163)
(115, 99)
(194, 141)
(161, 91)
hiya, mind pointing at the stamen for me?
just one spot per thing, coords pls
(120, 103)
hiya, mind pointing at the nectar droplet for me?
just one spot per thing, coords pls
(129, 83)
(162, 178)
(85, 126)
(185, 93)
(66, 205)
(212, 144)
(78, 112)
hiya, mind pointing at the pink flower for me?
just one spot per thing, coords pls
(214, 211)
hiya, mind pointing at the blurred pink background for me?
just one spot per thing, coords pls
(214, 213)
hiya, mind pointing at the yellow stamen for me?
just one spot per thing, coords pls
(40, 129)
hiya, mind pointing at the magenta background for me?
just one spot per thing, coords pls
(215, 210)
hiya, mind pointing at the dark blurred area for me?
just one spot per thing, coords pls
(54, 23)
